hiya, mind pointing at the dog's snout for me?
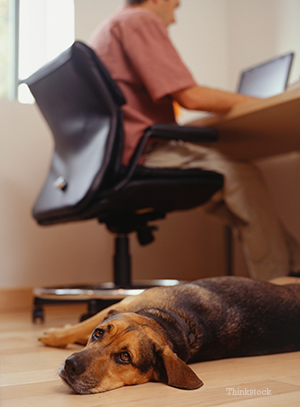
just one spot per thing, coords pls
(74, 365)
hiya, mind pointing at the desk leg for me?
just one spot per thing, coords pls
(228, 251)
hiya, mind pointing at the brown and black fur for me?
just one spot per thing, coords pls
(163, 329)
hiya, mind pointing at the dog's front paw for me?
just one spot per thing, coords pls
(56, 337)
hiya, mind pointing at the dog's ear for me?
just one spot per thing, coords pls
(174, 371)
(113, 312)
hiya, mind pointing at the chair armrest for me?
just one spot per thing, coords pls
(168, 132)
(174, 132)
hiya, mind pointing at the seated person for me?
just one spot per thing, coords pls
(137, 51)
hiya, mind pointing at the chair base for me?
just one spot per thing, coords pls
(97, 297)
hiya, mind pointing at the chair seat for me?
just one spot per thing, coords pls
(166, 190)
(142, 172)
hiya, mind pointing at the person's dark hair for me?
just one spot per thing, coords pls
(133, 2)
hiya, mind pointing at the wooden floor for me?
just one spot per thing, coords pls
(29, 377)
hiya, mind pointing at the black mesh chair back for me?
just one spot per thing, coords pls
(80, 103)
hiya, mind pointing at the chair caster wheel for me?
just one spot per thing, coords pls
(38, 314)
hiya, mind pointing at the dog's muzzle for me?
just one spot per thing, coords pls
(72, 373)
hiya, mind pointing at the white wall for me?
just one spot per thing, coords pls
(259, 30)
(216, 38)
(202, 40)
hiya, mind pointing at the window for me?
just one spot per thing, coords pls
(4, 53)
(36, 31)
(46, 29)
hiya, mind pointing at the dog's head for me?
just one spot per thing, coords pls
(126, 349)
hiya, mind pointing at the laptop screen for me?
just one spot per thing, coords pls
(267, 79)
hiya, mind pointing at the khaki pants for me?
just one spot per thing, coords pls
(244, 203)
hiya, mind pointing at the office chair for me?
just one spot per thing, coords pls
(82, 106)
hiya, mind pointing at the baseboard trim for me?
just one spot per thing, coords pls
(15, 299)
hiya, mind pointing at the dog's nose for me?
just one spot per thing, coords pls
(74, 365)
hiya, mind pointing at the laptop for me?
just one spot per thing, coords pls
(266, 79)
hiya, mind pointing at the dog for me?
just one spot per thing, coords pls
(154, 335)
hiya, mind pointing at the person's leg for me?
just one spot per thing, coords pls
(244, 203)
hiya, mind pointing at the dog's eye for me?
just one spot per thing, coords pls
(124, 357)
(98, 333)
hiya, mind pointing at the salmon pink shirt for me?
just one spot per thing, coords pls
(135, 47)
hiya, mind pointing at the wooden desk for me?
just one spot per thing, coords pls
(259, 129)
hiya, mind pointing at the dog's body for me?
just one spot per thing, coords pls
(152, 336)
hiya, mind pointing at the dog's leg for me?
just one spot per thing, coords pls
(61, 337)
(79, 333)
(285, 280)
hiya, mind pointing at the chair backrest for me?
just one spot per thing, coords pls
(81, 104)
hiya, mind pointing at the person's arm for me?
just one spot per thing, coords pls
(209, 99)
